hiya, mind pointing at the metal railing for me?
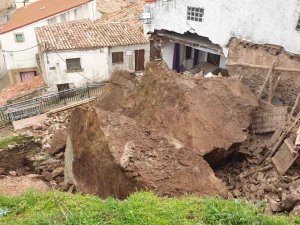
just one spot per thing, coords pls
(36, 106)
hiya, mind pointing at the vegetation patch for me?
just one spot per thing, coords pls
(140, 208)
(13, 140)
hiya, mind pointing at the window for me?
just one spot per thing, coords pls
(19, 38)
(195, 14)
(63, 87)
(73, 64)
(188, 52)
(298, 24)
(117, 57)
(213, 59)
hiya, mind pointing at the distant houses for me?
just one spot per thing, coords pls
(18, 40)
(76, 53)
(68, 44)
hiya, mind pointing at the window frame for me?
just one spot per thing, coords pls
(195, 14)
(16, 39)
(73, 69)
(298, 24)
(119, 57)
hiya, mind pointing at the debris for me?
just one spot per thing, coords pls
(285, 157)
(268, 118)
(255, 171)
(295, 211)
(189, 109)
(109, 154)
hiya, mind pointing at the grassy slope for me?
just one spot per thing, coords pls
(140, 208)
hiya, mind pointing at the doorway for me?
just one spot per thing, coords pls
(139, 60)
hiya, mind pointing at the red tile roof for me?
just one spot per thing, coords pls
(129, 14)
(39, 10)
(17, 90)
(109, 6)
(84, 34)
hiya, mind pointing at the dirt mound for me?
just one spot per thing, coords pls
(121, 84)
(206, 114)
(109, 154)
(10, 185)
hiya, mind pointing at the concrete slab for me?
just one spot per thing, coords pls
(28, 122)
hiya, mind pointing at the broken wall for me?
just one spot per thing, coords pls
(241, 51)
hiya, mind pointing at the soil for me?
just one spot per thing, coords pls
(16, 159)
(206, 114)
(12, 185)
(109, 154)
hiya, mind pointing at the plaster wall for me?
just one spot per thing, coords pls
(129, 56)
(268, 21)
(93, 63)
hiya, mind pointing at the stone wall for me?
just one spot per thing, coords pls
(246, 52)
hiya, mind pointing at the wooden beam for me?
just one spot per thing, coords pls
(263, 67)
(266, 80)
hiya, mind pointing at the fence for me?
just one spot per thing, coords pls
(35, 106)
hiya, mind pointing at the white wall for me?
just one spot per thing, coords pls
(259, 21)
(20, 3)
(167, 52)
(129, 56)
(27, 59)
(93, 62)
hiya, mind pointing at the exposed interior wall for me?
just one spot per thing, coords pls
(272, 22)
(93, 63)
(246, 52)
(128, 56)
(167, 52)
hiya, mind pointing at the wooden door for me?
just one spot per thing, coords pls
(139, 60)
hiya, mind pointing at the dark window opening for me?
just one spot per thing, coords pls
(117, 57)
(195, 14)
(73, 64)
(188, 52)
(63, 87)
(298, 25)
(213, 59)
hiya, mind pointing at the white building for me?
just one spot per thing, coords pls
(22, 3)
(18, 40)
(177, 25)
(75, 53)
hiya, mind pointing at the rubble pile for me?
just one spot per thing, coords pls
(123, 143)
(207, 115)
(49, 162)
(109, 154)
(247, 177)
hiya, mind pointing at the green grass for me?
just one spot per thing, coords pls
(140, 208)
(12, 140)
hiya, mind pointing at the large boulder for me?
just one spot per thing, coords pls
(109, 154)
(205, 114)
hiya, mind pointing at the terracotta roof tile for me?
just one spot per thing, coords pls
(128, 14)
(109, 6)
(84, 34)
(39, 10)
(21, 89)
